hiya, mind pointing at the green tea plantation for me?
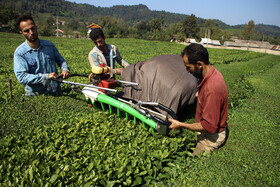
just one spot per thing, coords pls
(61, 141)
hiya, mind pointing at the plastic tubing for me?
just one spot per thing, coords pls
(118, 104)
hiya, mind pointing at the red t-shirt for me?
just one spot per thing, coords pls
(212, 103)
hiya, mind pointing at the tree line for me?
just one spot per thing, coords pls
(152, 26)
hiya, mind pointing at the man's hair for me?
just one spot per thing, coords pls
(95, 33)
(24, 18)
(196, 52)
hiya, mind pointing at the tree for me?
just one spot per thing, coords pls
(248, 31)
(176, 29)
(47, 26)
(190, 27)
(157, 24)
(8, 17)
(274, 40)
(12, 25)
(113, 27)
(214, 32)
(142, 26)
(73, 24)
(221, 35)
(208, 28)
(141, 30)
(7, 14)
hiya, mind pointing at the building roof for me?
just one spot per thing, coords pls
(216, 42)
(249, 43)
(276, 47)
(206, 40)
(59, 30)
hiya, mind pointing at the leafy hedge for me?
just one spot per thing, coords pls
(225, 56)
(61, 141)
(102, 149)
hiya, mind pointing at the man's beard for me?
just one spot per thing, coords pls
(32, 38)
(197, 73)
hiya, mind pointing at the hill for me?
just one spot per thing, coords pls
(130, 14)
(268, 30)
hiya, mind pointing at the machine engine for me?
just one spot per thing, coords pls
(101, 77)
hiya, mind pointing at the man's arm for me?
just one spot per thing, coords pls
(22, 75)
(191, 126)
(120, 60)
(93, 58)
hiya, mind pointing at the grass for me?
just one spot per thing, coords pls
(36, 132)
(251, 155)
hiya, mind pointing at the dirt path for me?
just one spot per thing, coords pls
(268, 51)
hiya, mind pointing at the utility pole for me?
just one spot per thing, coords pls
(56, 26)
(208, 35)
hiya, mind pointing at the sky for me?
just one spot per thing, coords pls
(231, 12)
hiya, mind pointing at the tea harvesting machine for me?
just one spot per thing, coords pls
(102, 89)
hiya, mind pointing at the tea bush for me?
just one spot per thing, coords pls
(60, 141)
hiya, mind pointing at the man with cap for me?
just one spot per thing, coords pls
(104, 54)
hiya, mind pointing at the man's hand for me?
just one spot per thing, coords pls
(53, 75)
(191, 126)
(119, 71)
(65, 74)
(174, 124)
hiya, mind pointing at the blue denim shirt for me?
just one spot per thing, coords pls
(32, 66)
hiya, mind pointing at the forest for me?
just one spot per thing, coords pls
(136, 21)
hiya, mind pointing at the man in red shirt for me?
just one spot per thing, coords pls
(212, 101)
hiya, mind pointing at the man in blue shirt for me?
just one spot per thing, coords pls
(35, 61)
